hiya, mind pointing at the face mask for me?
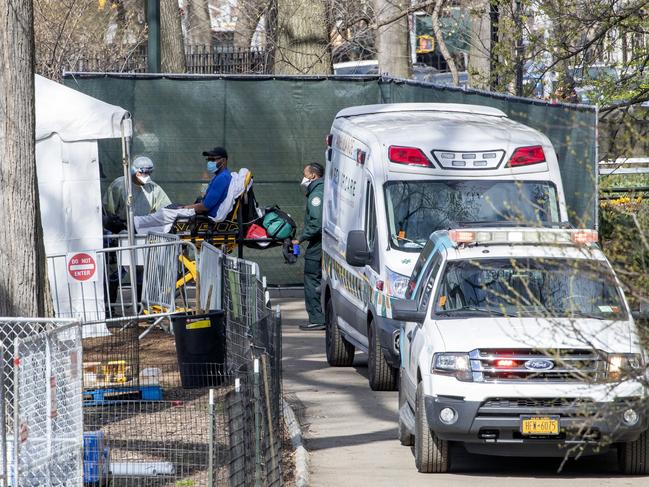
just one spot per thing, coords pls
(144, 178)
(211, 167)
(305, 183)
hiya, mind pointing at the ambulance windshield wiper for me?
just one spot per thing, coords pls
(421, 246)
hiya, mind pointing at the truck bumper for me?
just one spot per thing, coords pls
(388, 334)
(492, 427)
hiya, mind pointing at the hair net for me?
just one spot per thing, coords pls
(141, 163)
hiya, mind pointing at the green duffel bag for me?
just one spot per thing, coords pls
(278, 224)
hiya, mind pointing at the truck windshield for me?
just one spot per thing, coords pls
(417, 208)
(529, 287)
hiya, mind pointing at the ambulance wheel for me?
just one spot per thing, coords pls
(340, 353)
(382, 376)
(633, 457)
(431, 453)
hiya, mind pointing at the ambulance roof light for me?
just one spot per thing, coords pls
(411, 156)
(525, 156)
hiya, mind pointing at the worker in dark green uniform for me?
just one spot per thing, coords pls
(313, 186)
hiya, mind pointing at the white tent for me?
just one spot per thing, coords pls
(68, 126)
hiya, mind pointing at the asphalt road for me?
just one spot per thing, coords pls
(351, 431)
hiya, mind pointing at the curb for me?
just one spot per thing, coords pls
(301, 455)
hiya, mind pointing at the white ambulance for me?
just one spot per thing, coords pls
(519, 342)
(395, 174)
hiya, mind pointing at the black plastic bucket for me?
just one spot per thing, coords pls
(200, 347)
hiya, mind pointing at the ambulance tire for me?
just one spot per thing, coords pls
(382, 376)
(431, 453)
(340, 353)
(633, 457)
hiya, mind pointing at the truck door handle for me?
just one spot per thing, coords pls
(409, 335)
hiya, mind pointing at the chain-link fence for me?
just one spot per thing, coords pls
(209, 436)
(41, 437)
(212, 424)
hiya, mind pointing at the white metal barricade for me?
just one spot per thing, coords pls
(160, 273)
(126, 281)
(211, 276)
(42, 440)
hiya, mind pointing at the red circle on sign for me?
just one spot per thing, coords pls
(82, 267)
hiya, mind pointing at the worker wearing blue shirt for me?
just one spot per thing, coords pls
(217, 190)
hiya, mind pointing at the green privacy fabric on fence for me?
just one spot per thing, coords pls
(275, 125)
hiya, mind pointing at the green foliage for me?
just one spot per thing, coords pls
(624, 233)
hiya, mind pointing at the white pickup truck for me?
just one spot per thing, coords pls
(519, 342)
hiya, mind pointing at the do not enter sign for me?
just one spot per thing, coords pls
(82, 266)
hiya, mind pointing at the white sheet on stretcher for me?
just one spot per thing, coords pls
(163, 219)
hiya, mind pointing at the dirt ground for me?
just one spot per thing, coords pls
(173, 434)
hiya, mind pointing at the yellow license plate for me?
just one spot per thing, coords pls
(540, 425)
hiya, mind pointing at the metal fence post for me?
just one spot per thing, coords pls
(48, 403)
(256, 398)
(277, 363)
(210, 440)
(235, 414)
(269, 416)
(3, 425)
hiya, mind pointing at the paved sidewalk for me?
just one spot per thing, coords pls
(351, 431)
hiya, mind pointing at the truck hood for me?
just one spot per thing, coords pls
(464, 335)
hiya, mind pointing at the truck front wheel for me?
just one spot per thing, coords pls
(431, 453)
(382, 376)
(405, 437)
(633, 457)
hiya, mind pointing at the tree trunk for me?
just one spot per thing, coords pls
(302, 40)
(22, 252)
(172, 50)
(439, 38)
(479, 68)
(199, 26)
(392, 38)
(248, 13)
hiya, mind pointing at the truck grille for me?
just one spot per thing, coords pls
(532, 402)
(558, 365)
(515, 406)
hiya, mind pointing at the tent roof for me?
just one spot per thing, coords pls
(73, 115)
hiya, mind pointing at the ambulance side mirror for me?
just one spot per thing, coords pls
(407, 310)
(357, 253)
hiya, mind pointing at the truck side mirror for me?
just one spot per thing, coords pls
(407, 310)
(357, 253)
(641, 314)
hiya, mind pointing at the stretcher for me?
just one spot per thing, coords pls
(229, 234)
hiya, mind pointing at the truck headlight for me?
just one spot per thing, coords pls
(624, 365)
(456, 364)
(396, 284)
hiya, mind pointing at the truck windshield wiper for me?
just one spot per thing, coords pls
(471, 309)
(583, 314)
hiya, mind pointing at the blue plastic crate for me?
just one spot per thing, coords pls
(97, 397)
(95, 457)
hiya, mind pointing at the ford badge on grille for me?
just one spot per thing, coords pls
(539, 364)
